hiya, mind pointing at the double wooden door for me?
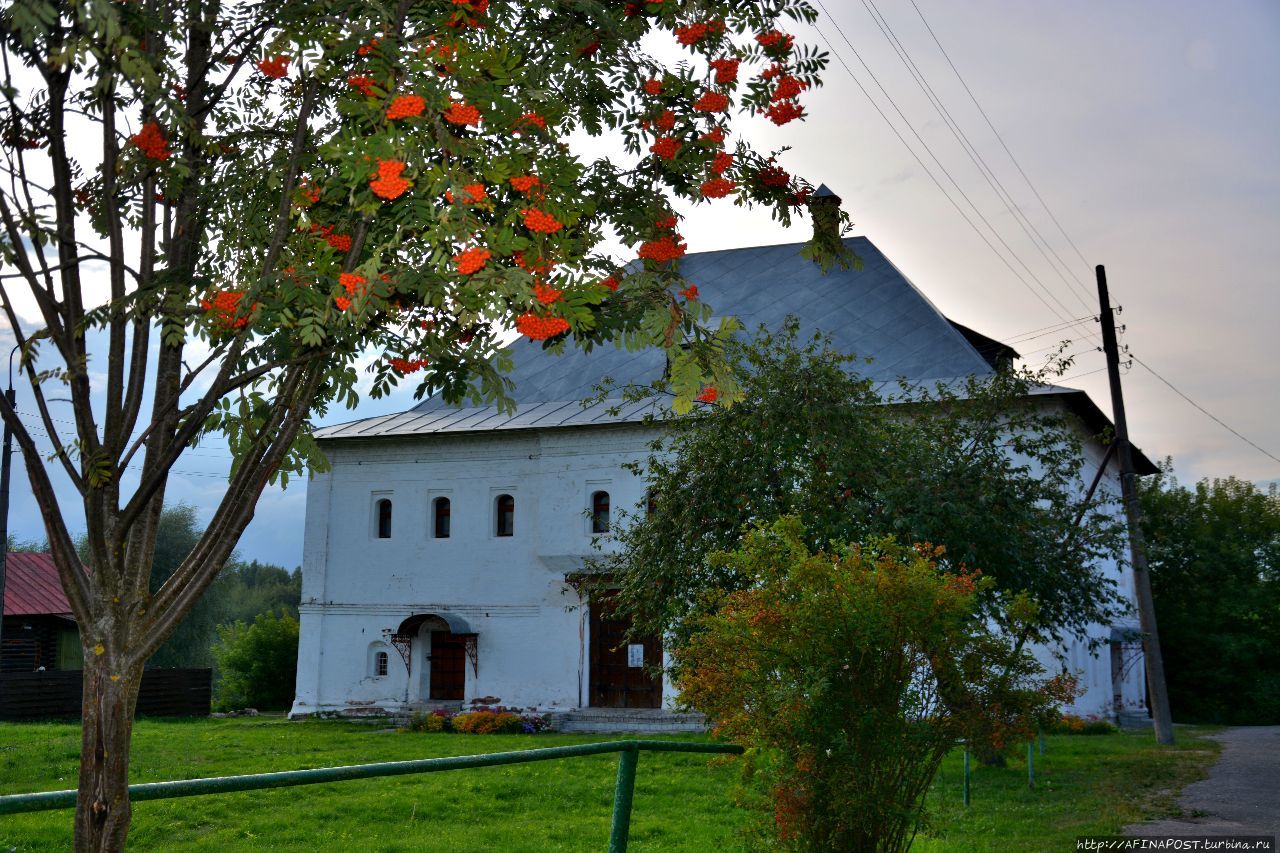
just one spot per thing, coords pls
(624, 673)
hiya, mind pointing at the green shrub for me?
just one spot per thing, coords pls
(422, 721)
(1069, 724)
(256, 664)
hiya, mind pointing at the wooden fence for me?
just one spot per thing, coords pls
(56, 694)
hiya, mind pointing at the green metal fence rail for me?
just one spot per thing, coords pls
(623, 792)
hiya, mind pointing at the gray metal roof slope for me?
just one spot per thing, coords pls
(874, 312)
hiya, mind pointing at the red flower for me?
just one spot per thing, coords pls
(537, 266)
(462, 113)
(663, 249)
(772, 176)
(341, 242)
(709, 394)
(666, 121)
(540, 328)
(694, 33)
(387, 183)
(407, 365)
(275, 67)
(368, 47)
(788, 87)
(711, 102)
(363, 83)
(342, 302)
(475, 193)
(666, 147)
(546, 294)
(533, 119)
(405, 106)
(713, 137)
(225, 304)
(721, 162)
(784, 111)
(775, 41)
(690, 292)
(726, 70)
(352, 283)
(524, 183)
(308, 193)
(611, 283)
(666, 224)
(151, 142)
(717, 187)
(538, 220)
(653, 87)
(471, 261)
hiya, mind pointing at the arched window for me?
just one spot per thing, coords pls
(506, 515)
(384, 519)
(600, 512)
(440, 510)
(380, 664)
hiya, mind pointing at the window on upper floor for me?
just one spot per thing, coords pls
(384, 519)
(505, 515)
(380, 664)
(440, 515)
(650, 502)
(600, 512)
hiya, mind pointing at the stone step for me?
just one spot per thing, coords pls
(624, 720)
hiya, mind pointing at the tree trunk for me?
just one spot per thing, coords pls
(102, 808)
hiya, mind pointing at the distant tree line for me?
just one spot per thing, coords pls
(1214, 550)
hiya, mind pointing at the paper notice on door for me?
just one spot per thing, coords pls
(635, 654)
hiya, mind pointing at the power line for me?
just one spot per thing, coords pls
(1205, 411)
(1061, 312)
(1000, 138)
(992, 179)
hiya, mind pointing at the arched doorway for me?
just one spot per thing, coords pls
(436, 649)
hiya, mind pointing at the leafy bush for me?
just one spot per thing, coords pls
(850, 675)
(487, 723)
(1070, 724)
(256, 665)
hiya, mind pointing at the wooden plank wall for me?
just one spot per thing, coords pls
(56, 694)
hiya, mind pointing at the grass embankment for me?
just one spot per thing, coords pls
(1085, 785)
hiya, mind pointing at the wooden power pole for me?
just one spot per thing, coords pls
(1156, 689)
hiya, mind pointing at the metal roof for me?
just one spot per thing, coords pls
(32, 587)
(873, 312)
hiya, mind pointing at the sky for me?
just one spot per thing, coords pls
(1150, 129)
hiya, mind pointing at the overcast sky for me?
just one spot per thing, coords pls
(1152, 131)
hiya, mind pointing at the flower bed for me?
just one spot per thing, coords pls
(480, 720)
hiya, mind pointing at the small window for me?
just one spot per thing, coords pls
(506, 521)
(440, 510)
(380, 664)
(600, 512)
(384, 519)
(650, 503)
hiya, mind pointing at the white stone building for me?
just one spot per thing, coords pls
(440, 548)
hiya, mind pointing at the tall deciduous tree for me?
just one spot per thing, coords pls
(1214, 551)
(979, 469)
(235, 200)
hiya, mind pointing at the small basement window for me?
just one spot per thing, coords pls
(384, 519)
(440, 517)
(600, 512)
(506, 516)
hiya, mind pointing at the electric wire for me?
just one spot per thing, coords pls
(993, 181)
(1061, 311)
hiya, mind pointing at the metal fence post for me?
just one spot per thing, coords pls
(966, 777)
(622, 796)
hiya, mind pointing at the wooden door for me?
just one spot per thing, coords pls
(448, 665)
(616, 679)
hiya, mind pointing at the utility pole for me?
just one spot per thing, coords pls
(5, 463)
(1133, 515)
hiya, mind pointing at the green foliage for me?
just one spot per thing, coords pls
(32, 546)
(978, 469)
(853, 672)
(1214, 554)
(257, 663)
(1070, 724)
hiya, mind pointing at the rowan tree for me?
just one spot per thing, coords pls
(217, 208)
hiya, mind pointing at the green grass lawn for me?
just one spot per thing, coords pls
(683, 802)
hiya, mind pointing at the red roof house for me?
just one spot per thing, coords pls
(39, 631)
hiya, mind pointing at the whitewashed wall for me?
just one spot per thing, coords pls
(532, 635)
